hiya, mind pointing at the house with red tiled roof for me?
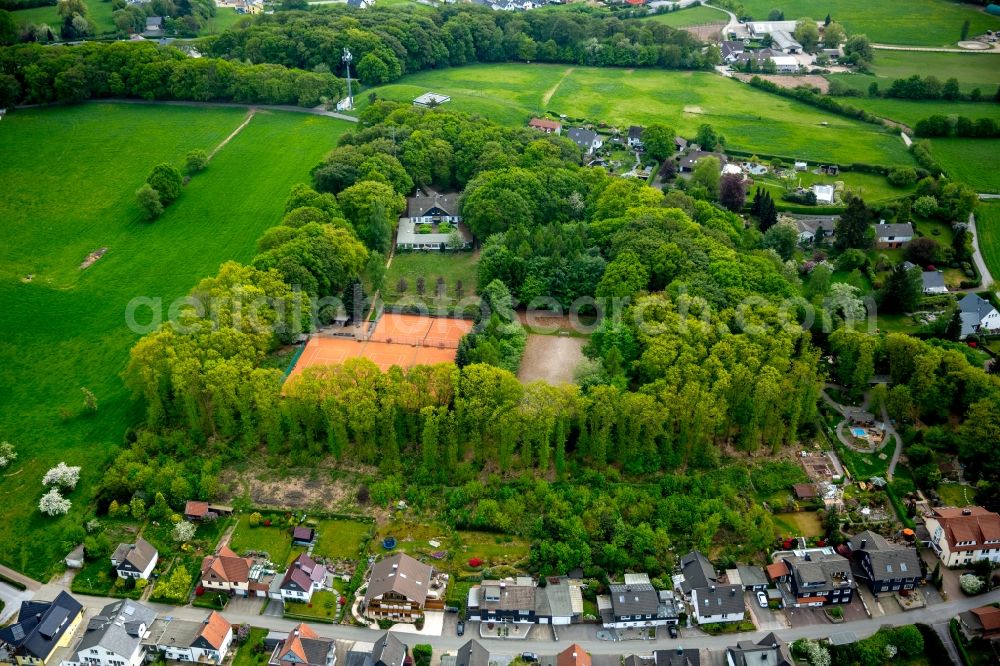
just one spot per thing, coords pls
(574, 655)
(226, 571)
(982, 622)
(963, 536)
(303, 577)
(195, 510)
(546, 125)
(304, 647)
(205, 642)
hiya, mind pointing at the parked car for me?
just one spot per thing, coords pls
(460, 628)
(762, 599)
(672, 630)
(451, 609)
(529, 656)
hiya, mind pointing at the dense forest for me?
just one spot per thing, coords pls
(36, 74)
(392, 41)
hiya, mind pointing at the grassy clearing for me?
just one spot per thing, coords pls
(682, 18)
(340, 539)
(323, 606)
(252, 652)
(493, 549)
(275, 540)
(988, 228)
(871, 187)
(100, 16)
(910, 112)
(751, 120)
(956, 494)
(801, 523)
(973, 70)
(968, 160)
(69, 175)
(917, 23)
(454, 267)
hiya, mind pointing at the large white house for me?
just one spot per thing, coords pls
(205, 642)
(718, 603)
(303, 577)
(978, 315)
(963, 536)
(114, 636)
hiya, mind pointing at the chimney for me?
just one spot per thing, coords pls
(864, 542)
(732, 592)
(680, 650)
(712, 588)
(395, 566)
(966, 511)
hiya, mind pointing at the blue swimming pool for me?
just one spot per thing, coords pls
(859, 432)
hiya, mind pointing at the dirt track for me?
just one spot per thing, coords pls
(551, 358)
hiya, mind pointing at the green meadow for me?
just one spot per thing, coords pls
(750, 119)
(973, 70)
(68, 177)
(988, 228)
(100, 16)
(682, 18)
(910, 112)
(969, 160)
(916, 23)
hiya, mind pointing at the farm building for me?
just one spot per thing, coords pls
(784, 42)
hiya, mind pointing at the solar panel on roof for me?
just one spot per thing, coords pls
(18, 632)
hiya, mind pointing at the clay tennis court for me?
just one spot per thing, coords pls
(403, 340)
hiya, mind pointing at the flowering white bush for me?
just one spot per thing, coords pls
(815, 653)
(891, 651)
(183, 531)
(7, 454)
(54, 504)
(62, 475)
(970, 584)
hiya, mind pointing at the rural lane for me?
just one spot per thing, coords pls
(977, 256)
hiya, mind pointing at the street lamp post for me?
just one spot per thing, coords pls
(347, 58)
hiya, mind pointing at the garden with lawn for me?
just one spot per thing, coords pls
(274, 539)
(871, 187)
(252, 653)
(956, 494)
(696, 15)
(340, 539)
(752, 120)
(457, 269)
(70, 174)
(969, 160)
(322, 607)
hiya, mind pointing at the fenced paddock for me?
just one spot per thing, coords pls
(397, 339)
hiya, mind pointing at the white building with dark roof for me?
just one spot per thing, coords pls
(114, 637)
(978, 315)
(135, 560)
(718, 603)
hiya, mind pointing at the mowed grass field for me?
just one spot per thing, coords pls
(454, 267)
(699, 15)
(969, 160)
(988, 228)
(68, 176)
(910, 112)
(99, 12)
(917, 23)
(750, 119)
(973, 70)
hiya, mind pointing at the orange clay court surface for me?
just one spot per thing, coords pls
(403, 340)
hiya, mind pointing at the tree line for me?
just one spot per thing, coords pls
(35, 74)
(390, 42)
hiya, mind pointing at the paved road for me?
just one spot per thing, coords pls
(977, 256)
(733, 21)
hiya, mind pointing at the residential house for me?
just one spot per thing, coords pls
(303, 577)
(688, 162)
(135, 560)
(198, 511)
(885, 567)
(817, 576)
(588, 140)
(680, 143)
(154, 26)
(635, 137)
(75, 558)
(303, 536)
(963, 536)
(558, 600)
(758, 29)
(574, 655)
(889, 236)
(546, 125)
(824, 194)
(751, 578)
(978, 316)
(718, 603)
(205, 642)
(932, 281)
(387, 650)
(815, 228)
(507, 600)
(768, 651)
(398, 588)
(805, 491)
(432, 222)
(731, 50)
(472, 654)
(42, 627)
(697, 572)
(360, 4)
(634, 603)
(226, 572)
(304, 647)
(677, 657)
(114, 637)
(982, 622)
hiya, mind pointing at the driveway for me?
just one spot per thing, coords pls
(764, 618)
(12, 598)
(433, 625)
